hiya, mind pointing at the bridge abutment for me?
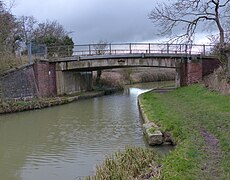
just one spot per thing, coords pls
(70, 82)
(45, 77)
(194, 71)
(188, 72)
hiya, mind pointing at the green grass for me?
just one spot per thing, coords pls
(183, 112)
(152, 130)
(129, 164)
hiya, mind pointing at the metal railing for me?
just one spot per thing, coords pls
(128, 48)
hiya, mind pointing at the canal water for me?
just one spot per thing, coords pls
(67, 141)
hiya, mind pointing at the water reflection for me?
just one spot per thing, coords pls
(68, 141)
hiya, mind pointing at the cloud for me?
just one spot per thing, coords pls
(94, 20)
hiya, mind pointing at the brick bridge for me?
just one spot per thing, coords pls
(67, 70)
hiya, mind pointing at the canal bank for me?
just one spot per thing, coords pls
(12, 106)
(199, 121)
(68, 141)
(154, 134)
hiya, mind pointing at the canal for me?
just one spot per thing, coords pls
(67, 141)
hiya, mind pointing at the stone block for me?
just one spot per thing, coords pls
(153, 134)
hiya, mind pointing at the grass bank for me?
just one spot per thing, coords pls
(133, 163)
(199, 121)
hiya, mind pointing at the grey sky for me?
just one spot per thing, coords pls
(94, 20)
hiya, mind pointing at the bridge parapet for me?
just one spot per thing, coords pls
(128, 48)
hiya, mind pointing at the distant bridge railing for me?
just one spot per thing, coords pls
(127, 48)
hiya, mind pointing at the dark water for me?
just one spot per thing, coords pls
(67, 141)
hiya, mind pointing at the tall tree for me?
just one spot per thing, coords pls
(55, 37)
(48, 29)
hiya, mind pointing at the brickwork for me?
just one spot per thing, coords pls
(194, 72)
(18, 84)
(52, 80)
(183, 74)
(37, 80)
(45, 75)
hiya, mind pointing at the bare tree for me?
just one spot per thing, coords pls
(27, 26)
(49, 29)
(182, 19)
(100, 49)
(190, 16)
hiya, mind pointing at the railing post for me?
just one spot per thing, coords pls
(167, 48)
(110, 49)
(204, 49)
(149, 48)
(89, 49)
(130, 48)
(186, 48)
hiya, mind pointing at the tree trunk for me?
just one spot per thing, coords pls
(223, 55)
(98, 76)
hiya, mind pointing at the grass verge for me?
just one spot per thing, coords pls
(133, 163)
(199, 121)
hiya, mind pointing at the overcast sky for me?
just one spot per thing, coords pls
(95, 20)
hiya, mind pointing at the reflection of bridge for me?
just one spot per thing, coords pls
(70, 70)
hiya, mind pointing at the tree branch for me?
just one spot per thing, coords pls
(223, 5)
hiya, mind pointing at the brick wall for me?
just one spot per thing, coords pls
(194, 72)
(45, 76)
(19, 83)
(36, 80)
(183, 74)
(190, 72)
(52, 80)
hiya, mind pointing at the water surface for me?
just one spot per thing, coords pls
(67, 141)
